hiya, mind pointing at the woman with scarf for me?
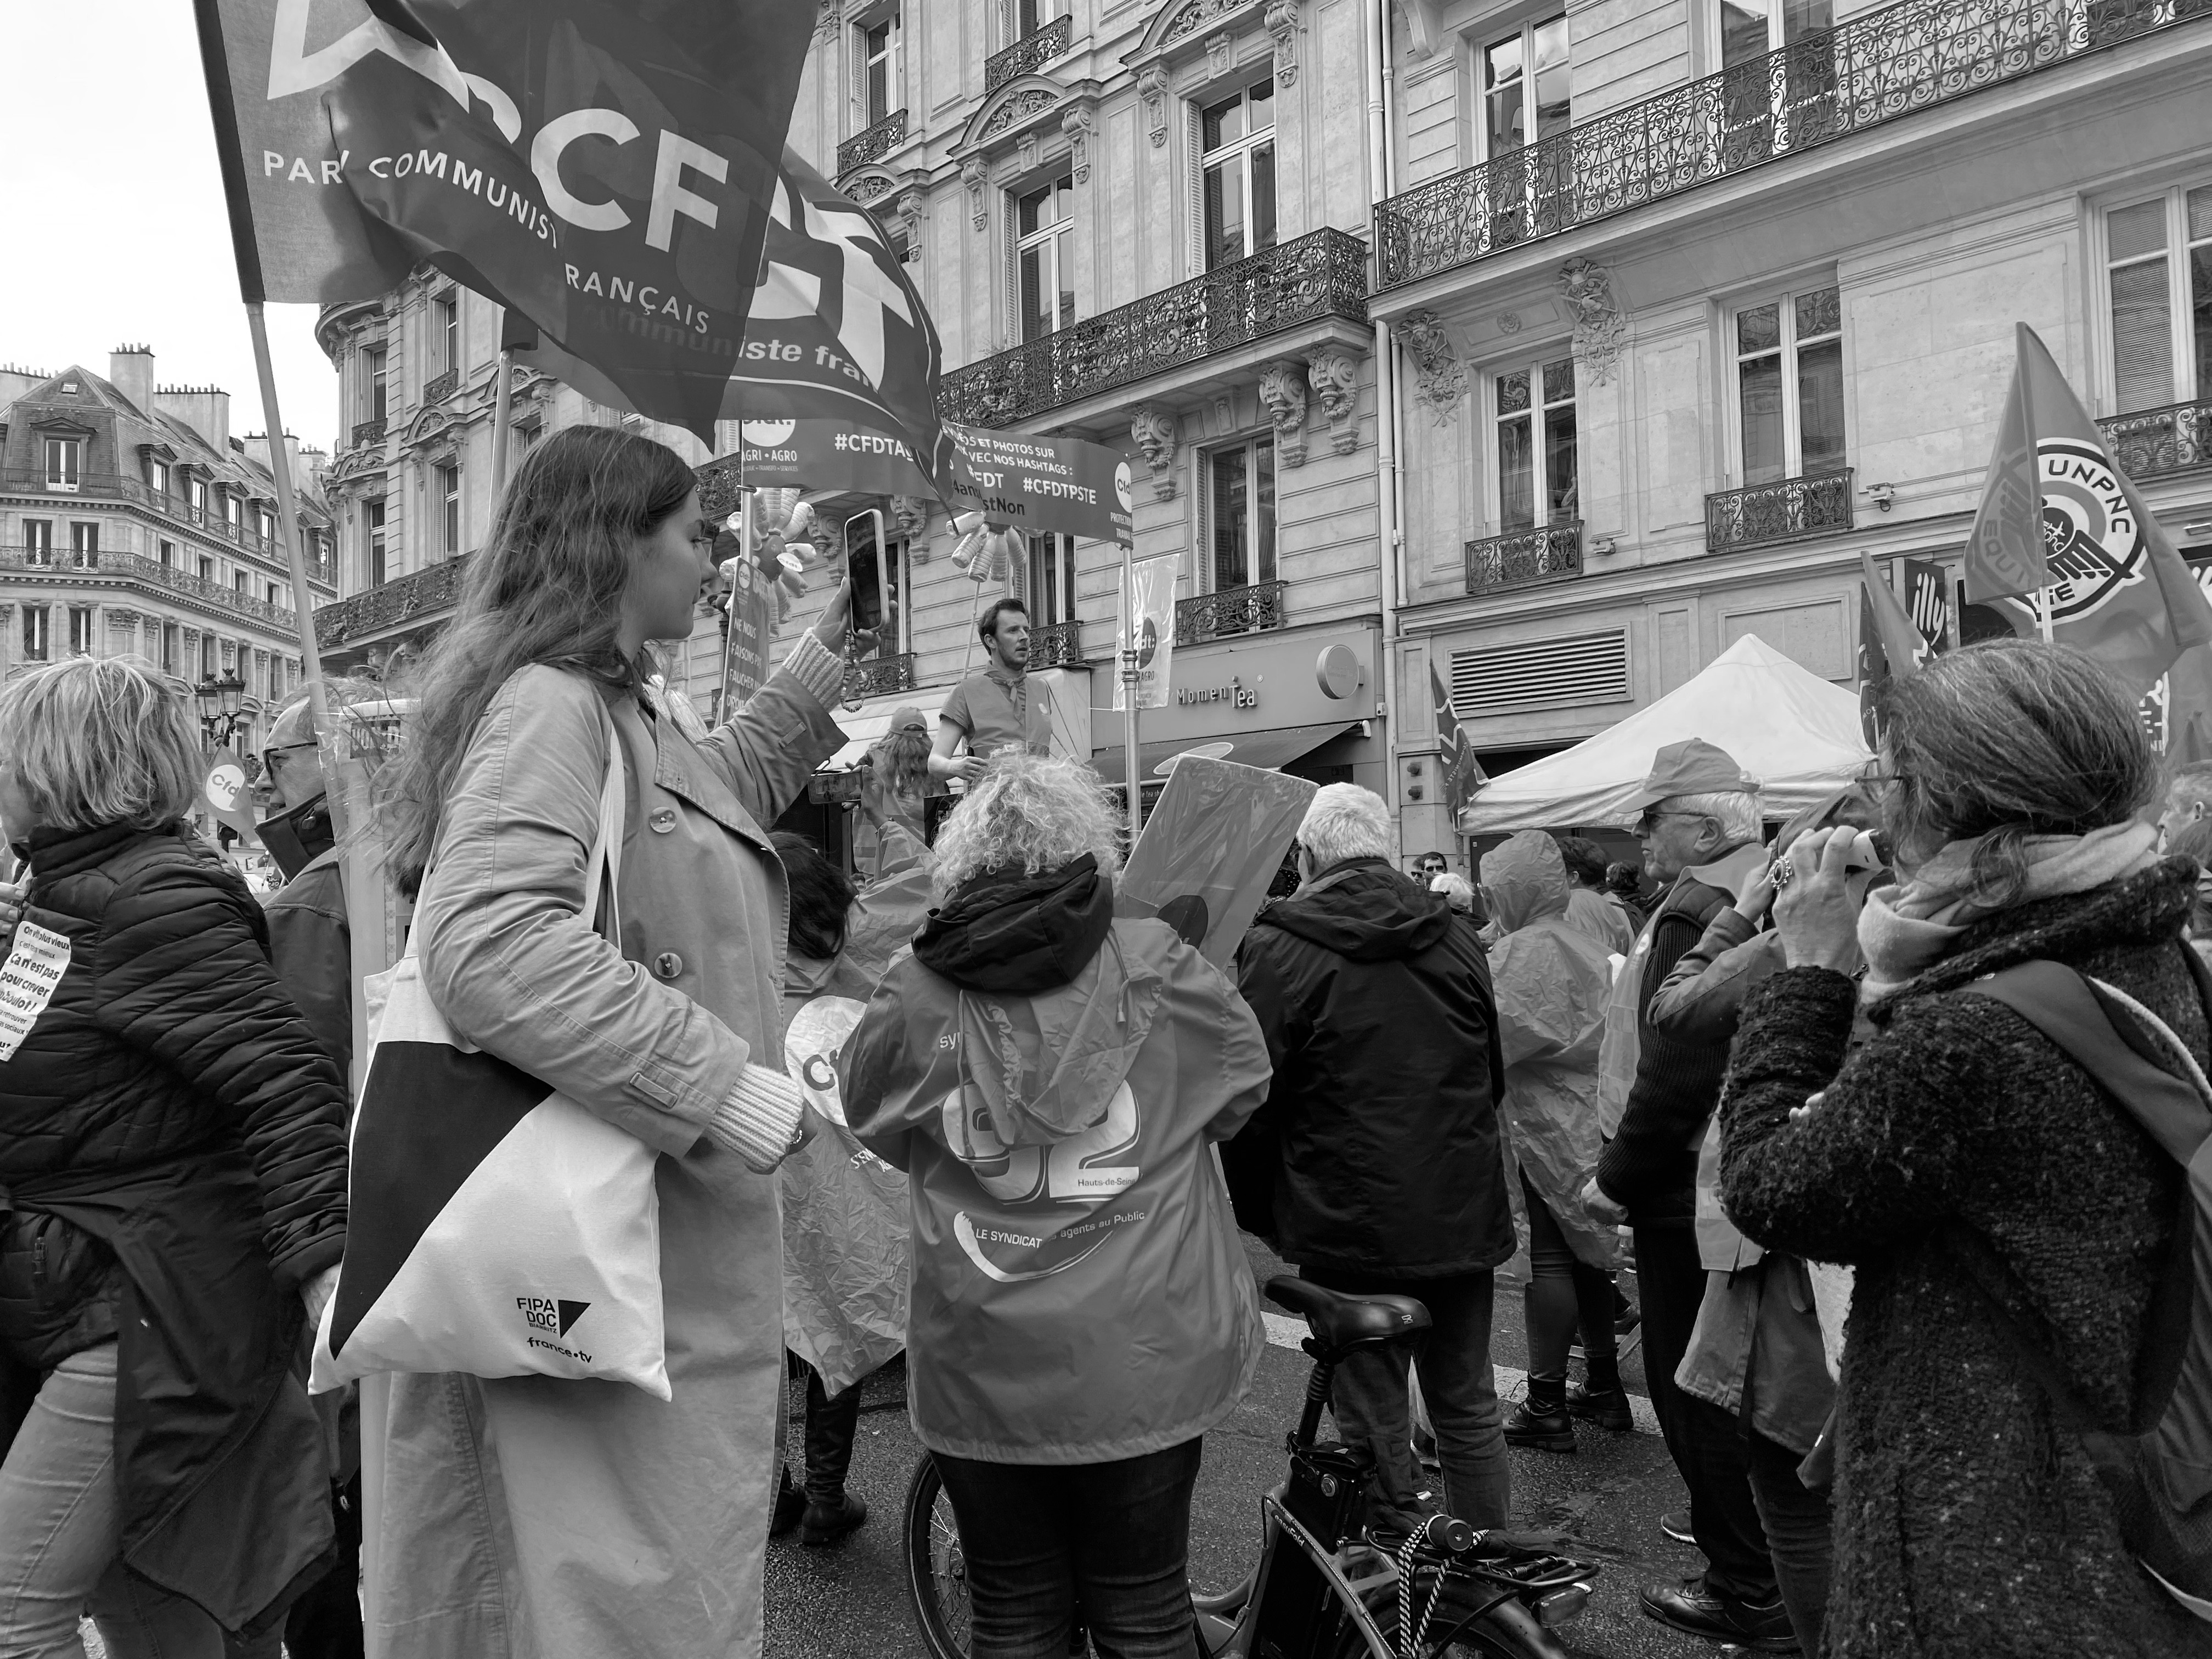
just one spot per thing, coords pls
(1051, 1080)
(1979, 1181)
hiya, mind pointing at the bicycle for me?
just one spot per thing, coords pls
(1326, 1586)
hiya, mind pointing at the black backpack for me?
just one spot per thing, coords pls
(2160, 1478)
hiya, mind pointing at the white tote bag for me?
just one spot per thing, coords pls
(495, 1227)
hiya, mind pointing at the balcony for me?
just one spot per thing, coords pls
(879, 140)
(1230, 610)
(439, 387)
(1524, 558)
(1056, 645)
(368, 432)
(2154, 442)
(1875, 68)
(419, 596)
(1789, 510)
(104, 567)
(127, 487)
(879, 677)
(1322, 273)
(1031, 51)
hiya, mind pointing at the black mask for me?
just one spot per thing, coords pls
(296, 839)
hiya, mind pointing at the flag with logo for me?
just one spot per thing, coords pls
(223, 786)
(1462, 773)
(604, 170)
(2177, 710)
(1151, 601)
(2102, 565)
(1890, 646)
(1927, 602)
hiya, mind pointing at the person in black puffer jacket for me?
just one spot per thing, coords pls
(1375, 998)
(172, 1146)
(1979, 1181)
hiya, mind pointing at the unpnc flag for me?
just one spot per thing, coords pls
(603, 169)
(1462, 773)
(2116, 587)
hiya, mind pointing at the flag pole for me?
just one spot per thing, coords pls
(503, 407)
(2026, 374)
(1132, 786)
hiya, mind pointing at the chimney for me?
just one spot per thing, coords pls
(130, 372)
(205, 408)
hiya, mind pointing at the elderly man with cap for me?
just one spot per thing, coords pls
(1697, 818)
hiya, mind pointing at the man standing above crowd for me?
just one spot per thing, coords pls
(1374, 999)
(1700, 828)
(999, 709)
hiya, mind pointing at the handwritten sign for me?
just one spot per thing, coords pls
(28, 980)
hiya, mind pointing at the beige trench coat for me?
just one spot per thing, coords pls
(536, 1518)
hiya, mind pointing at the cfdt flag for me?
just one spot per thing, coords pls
(1462, 773)
(2116, 587)
(586, 163)
(1148, 609)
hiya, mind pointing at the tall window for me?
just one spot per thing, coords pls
(172, 647)
(878, 67)
(1524, 87)
(167, 552)
(79, 624)
(1760, 105)
(1045, 257)
(372, 514)
(230, 511)
(445, 322)
(1238, 138)
(2160, 276)
(1750, 29)
(84, 547)
(63, 455)
(39, 544)
(207, 568)
(449, 498)
(207, 656)
(36, 640)
(157, 476)
(241, 583)
(372, 384)
(879, 587)
(1241, 499)
(1536, 445)
(1052, 579)
(200, 493)
(1790, 386)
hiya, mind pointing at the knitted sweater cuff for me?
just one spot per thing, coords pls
(819, 671)
(759, 1119)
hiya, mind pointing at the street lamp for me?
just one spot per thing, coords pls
(219, 701)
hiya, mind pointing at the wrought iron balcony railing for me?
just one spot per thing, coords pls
(439, 387)
(2152, 442)
(126, 487)
(416, 597)
(1056, 645)
(1230, 610)
(368, 432)
(1875, 68)
(880, 139)
(878, 676)
(1030, 53)
(133, 569)
(1521, 558)
(1788, 510)
(1321, 274)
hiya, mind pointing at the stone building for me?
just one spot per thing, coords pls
(132, 522)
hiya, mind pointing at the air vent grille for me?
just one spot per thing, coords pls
(1574, 668)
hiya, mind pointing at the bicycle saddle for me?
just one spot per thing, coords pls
(1347, 1322)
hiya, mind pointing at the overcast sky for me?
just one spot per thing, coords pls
(121, 234)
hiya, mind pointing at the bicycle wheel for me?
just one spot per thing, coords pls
(936, 1569)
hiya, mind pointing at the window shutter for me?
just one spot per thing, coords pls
(2142, 337)
(1554, 673)
(1010, 226)
(1194, 200)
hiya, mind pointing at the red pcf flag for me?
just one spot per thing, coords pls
(2114, 585)
(1462, 773)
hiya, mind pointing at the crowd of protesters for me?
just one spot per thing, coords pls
(1904, 1260)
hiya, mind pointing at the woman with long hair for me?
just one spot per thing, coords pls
(533, 1517)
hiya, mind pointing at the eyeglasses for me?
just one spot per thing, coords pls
(1650, 820)
(1873, 777)
(268, 755)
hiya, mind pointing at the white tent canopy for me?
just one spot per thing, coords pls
(1795, 733)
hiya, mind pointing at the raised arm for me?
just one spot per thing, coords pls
(767, 749)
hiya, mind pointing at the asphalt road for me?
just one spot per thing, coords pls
(850, 1601)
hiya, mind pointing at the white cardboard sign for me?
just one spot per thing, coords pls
(28, 980)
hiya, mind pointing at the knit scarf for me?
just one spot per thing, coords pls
(1904, 931)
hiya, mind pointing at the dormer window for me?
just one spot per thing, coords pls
(64, 463)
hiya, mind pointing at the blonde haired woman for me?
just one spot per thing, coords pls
(1050, 1078)
(172, 1144)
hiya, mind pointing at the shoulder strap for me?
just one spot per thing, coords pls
(603, 864)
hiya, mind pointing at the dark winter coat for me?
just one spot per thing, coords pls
(1961, 1154)
(1375, 998)
(311, 942)
(171, 1144)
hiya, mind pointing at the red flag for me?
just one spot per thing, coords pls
(1463, 774)
(1873, 668)
(602, 168)
(2116, 588)
(2004, 550)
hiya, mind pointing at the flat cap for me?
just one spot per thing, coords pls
(1692, 768)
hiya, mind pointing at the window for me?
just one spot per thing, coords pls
(207, 656)
(373, 517)
(172, 647)
(1044, 256)
(1536, 445)
(449, 494)
(240, 583)
(84, 547)
(166, 552)
(62, 455)
(39, 544)
(1052, 579)
(273, 591)
(1241, 485)
(199, 501)
(80, 626)
(230, 511)
(879, 45)
(264, 522)
(1790, 386)
(372, 384)
(157, 476)
(1236, 137)
(2160, 274)
(1749, 29)
(207, 568)
(445, 325)
(35, 639)
(879, 587)
(1524, 87)
(1758, 104)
